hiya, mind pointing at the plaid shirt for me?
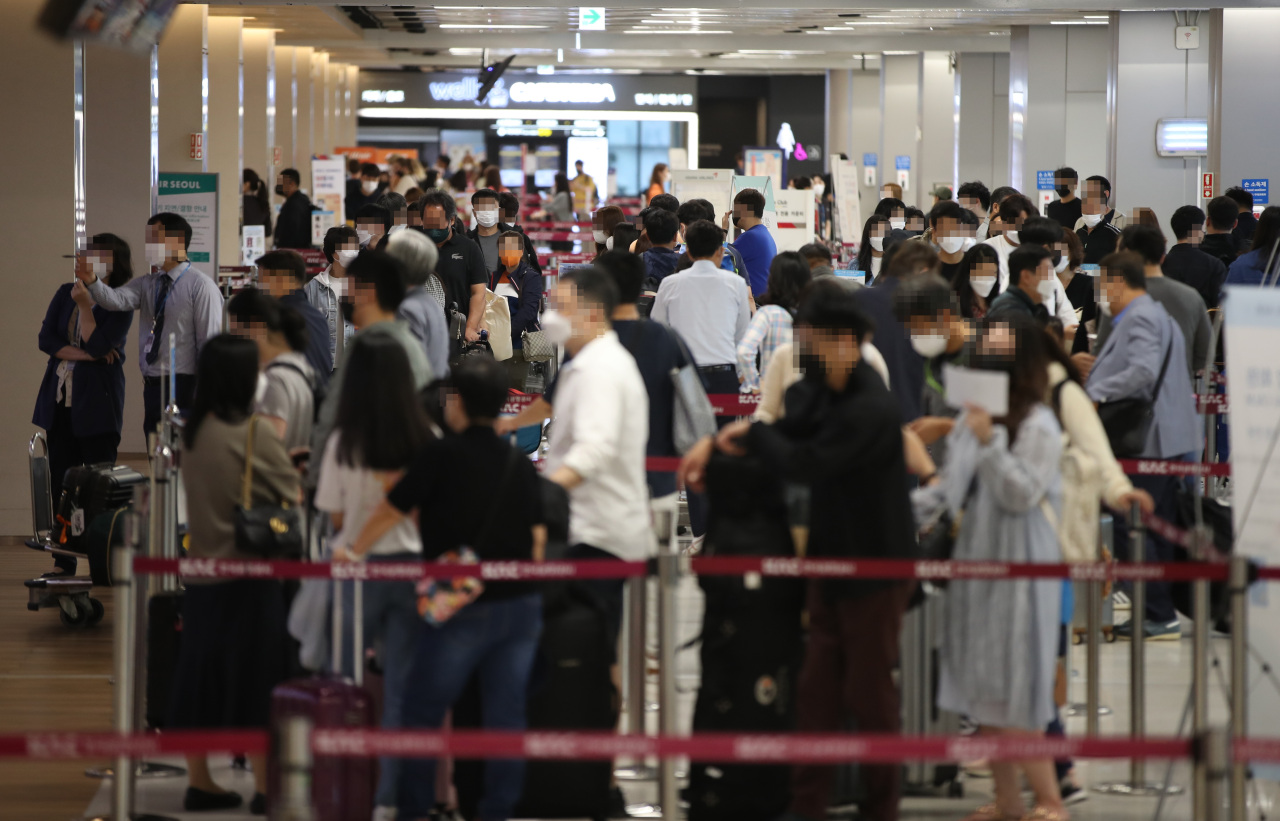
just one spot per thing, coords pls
(769, 328)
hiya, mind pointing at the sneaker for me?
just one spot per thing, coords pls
(617, 803)
(1152, 630)
(197, 800)
(1071, 794)
(1120, 601)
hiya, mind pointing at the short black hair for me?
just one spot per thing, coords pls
(370, 211)
(625, 233)
(252, 305)
(975, 191)
(753, 199)
(1014, 205)
(595, 287)
(1223, 213)
(661, 225)
(1128, 266)
(829, 304)
(1184, 221)
(627, 271)
(927, 295)
(1242, 198)
(946, 209)
(370, 170)
(577, 162)
(1025, 258)
(284, 260)
(1066, 173)
(1104, 183)
(173, 225)
(1145, 241)
(438, 198)
(393, 202)
(485, 193)
(121, 257)
(816, 250)
(1002, 193)
(702, 238)
(1039, 230)
(481, 385)
(510, 205)
(667, 202)
(338, 235)
(353, 166)
(691, 211)
(385, 273)
(292, 174)
(888, 205)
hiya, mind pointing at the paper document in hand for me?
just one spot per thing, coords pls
(988, 390)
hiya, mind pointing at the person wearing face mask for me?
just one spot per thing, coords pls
(657, 182)
(486, 207)
(420, 310)
(80, 404)
(175, 300)
(841, 438)
(1066, 209)
(1100, 224)
(1013, 210)
(280, 276)
(603, 222)
(1046, 233)
(461, 267)
(361, 191)
(1187, 263)
(818, 257)
(895, 210)
(398, 207)
(949, 236)
(1031, 281)
(293, 225)
(754, 241)
(974, 197)
(521, 284)
(689, 212)
(871, 252)
(373, 222)
(977, 281)
(914, 223)
(891, 191)
(325, 290)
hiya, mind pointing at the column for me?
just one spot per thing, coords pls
(900, 87)
(839, 136)
(321, 103)
(304, 141)
(286, 110)
(937, 125)
(350, 103)
(259, 102)
(183, 109)
(225, 143)
(983, 81)
(38, 212)
(1249, 101)
(865, 133)
(118, 180)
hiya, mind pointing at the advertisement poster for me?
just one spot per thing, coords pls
(321, 222)
(710, 184)
(194, 197)
(848, 218)
(795, 217)
(380, 157)
(764, 162)
(253, 243)
(328, 183)
(1252, 334)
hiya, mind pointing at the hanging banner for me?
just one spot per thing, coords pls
(795, 218)
(710, 184)
(328, 183)
(194, 197)
(844, 178)
(1252, 334)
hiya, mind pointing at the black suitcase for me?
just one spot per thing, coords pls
(164, 642)
(88, 491)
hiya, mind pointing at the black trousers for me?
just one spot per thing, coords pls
(718, 379)
(66, 450)
(153, 399)
(1158, 549)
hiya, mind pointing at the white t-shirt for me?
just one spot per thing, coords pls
(356, 493)
(1059, 305)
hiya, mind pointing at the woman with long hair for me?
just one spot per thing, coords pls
(657, 181)
(603, 221)
(80, 404)
(977, 281)
(770, 327)
(1000, 638)
(871, 251)
(493, 179)
(234, 645)
(379, 428)
(257, 204)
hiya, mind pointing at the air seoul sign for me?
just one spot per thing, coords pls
(624, 93)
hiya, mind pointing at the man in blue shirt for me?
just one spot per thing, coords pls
(754, 243)
(663, 228)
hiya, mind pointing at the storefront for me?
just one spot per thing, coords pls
(534, 126)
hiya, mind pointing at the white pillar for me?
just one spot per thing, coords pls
(900, 84)
(183, 109)
(259, 102)
(225, 143)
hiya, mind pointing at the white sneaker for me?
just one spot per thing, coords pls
(384, 814)
(1120, 601)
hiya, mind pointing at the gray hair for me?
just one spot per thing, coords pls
(416, 253)
(393, 202)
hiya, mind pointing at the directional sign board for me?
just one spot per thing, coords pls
(590, 19)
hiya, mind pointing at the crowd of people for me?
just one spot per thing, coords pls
(357, 392)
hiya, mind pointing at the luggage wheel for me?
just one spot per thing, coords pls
(81, 610)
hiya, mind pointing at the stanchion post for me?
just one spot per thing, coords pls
(668, 581)
(1238, 576)
(295, 760)
(1137, 648)
(1200, 691)
(635, 680)
(1093, 656)
(1213, 755)
(124, 636)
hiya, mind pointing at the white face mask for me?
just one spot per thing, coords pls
(929, 345)
(1092, 220)
(884, 195)
(877, 244)
(1046, 289)
(819, 189)
(982, 285)
(557, 326)
(98, 266)
(363, 237)
(1012, 236)
(600, 237)
(155, 253)
(1062, 264)
(951, 245)
(346, 257)
(488, 219)
(1104, 305)
(369, 186)
(898, 223)
(608, 244)
(969, 242)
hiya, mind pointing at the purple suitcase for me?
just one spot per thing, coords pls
(342, 789)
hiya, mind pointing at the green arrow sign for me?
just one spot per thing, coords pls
(590, 19)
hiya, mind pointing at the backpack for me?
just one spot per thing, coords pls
(1081, 495)
(318, 390)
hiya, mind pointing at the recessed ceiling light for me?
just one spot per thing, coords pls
(486, 26)
(465, 52)
(899, 53)
(1066, 23)
(1097, 17)
(671, 31)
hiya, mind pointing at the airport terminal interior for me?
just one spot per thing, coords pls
(855, 411)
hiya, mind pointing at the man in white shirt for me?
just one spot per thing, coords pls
(597, 444)
(1015, 211)
(708, 306)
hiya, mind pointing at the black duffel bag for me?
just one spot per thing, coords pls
(1128, 421)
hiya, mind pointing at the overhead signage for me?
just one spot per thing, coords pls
(1044, 181)
(194, 197)
(902, 162)
(590, 19)
(387, 91)
(1258, 188)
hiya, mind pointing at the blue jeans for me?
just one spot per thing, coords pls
(499, 639)
(392, 625)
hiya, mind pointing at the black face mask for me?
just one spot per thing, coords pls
(1063, 190)
(811, 365)
(736, 219)
(280, 190)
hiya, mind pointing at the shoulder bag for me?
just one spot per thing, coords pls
(265, 531)
(1128, 421)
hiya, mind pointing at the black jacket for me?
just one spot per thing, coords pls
(1192, 266)
(1221, 247)
(846, 448)
(255, 213)
(293, 226)
(906, 368)
(1100, 241)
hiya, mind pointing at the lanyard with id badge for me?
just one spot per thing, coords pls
(157, 308)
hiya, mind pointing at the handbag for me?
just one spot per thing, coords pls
(497, 321)
(440, 599)
(537, 346)
(1128, 421)
(265, 531)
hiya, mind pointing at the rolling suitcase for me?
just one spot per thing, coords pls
(88, 491)
(342, 789)
(164, 643)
